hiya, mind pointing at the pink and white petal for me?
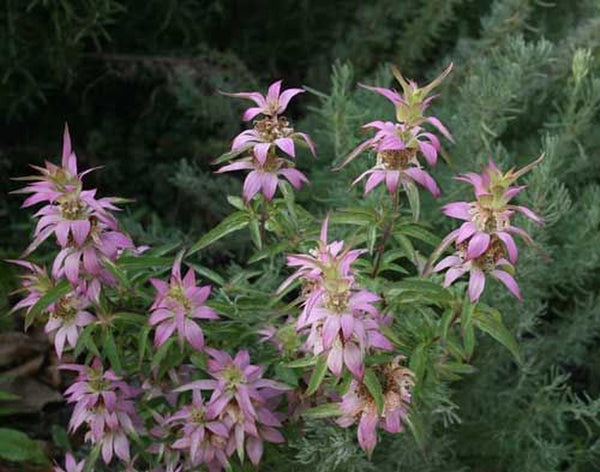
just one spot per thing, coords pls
(466, 230)
(256, 97)
(479, 243)
(458, 210)
(164, 332)
(440, 127)
(453, 274)
(367, 435)
(353, 359)
(308, 142)
(510, 245)
(194, 335)
(430, 153)
(509, 281)
(424, 179)
(240, 165)
(252, 185)
(294, 176)
(392, 177)
(273, 92)
(335, 361)
(254, 448)
(446, 262)
(286, 96)
(269, 185)
(286, 145)
(251, 113)
(476, 284)
(80, 230)
(390, 94)
(260, 151)
(375, 179)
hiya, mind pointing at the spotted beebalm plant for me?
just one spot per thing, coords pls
(156, 347)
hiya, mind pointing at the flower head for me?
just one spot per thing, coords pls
(359, 405)
(242, 400)
(414, 100)
(272, 104)
(177, 304)
(104, 403)
(67, 317)
(265, 177)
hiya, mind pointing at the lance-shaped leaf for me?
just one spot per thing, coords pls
(234, 222)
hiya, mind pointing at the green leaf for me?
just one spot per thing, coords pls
(326, 410)
(317, 375)
(207, 273)
(412, 192)
(420, 233)
(143, 339)
(60, 437)
(59, 290)
(447, 318)
(374, 387)
(255, 233)
(289, 376)
(236, 202)
(418, 359)
(16, 446)
(415, 423)
(92, 458)
(487, 322)
(232, 223)
(229, 155)
(417, 290)
(110, 349)
(469, 339)
(304, 362)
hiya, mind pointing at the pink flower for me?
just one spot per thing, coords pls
(268, 135)
(102, 244)
(490, 262)
(344, 328)
(67, 317)
(204, 440)
(36, 284)
(264, 177)
(273, 104)
(358, 405)
(241, 399)
(54, 181)
(104, 403)
(397, 147)
(414, 100)
(489, 217)
(340, 319)
(177, 304)
(71, 465)
(331, 258)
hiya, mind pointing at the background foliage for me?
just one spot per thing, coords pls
(137, 82)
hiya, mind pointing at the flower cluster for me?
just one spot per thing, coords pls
(238, 417)
(484, 242)
(258, 146)
(104, 403)
(399, 145)
(359, 405)
(88, 236)
(177, 303)
(340, 319)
